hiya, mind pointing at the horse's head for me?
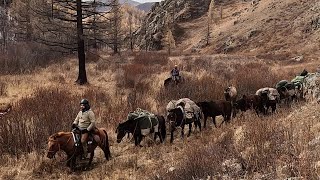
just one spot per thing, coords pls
(175, 117)
(121, 132)
(53, 146)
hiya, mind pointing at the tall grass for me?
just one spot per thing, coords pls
(264, 146)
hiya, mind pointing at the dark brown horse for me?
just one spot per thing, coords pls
(170, 82)
(177, 118)
(133, 126)
(216, 108)
(66, 142)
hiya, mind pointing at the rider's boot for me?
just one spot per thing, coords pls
(85, 150)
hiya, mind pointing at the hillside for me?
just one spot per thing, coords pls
(253, 45)
(273, 29)
(288, 140)
(145, 6)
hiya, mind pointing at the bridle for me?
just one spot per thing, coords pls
(59, 148)
(127, 131)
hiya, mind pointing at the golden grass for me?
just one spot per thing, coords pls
(282, 139)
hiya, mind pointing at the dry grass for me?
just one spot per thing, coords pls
(250, 148)
(281, 146)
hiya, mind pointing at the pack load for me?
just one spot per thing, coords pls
(190, 107)
(298, 81)
(271, 93)
(147, 121)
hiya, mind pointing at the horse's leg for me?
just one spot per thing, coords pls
(155, 136)
(224, 120)
(73, 163)
(274, 106)
(190, 126)
(136, 140)
(91, 158)
(205, 121)
(182, 130)
(69, 160)
(214, 121)
(171, 136)
(139, 139)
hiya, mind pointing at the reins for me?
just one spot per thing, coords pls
(59, 148)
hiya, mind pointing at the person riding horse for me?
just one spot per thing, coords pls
(175, 74)
(85, 121)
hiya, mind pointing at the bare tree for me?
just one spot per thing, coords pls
(209, 21)
(4, 23)
(61, 18)
(168, 40)
(115, 22)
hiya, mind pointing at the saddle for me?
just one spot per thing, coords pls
(76, 133)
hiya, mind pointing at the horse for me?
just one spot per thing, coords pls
(133, 126)
(170, 82)
(270, 98)
(66, 141)
(287, 91)
(176, 118)
(251, 101)
(230, 94)
(216, 108)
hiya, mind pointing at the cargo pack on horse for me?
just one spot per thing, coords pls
(141, 123)
(299, 82)
(270, 98)
(230, 94)
(286, 90)
(181, 112)
(69, 142)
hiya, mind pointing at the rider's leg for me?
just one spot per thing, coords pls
(84, 140)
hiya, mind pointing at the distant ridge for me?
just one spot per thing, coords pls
(130, 2)
(145, 6)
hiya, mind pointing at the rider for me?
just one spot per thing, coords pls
(85, 121)
(175, 73)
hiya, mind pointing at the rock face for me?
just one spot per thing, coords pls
(167, 14)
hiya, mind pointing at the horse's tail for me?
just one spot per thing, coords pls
(106, 147)
(163, 128)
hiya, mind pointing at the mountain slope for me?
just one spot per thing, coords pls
(145, 6)
(269, 28)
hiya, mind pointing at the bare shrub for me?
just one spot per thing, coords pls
(26, 57)
(3, 89)
(151, 58)
(132, 73)
(35, 118)
(209, 160)
(264, 144)
(92, 56)
(58, 78)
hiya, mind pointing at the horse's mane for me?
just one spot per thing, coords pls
(58, 134)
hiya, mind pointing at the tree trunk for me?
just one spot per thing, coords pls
(82, 77)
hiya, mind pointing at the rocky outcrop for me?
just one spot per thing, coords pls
(167, 14)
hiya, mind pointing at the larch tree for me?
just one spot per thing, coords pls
(209, 21)
(168, 40)
(61, 18)
(115, 24)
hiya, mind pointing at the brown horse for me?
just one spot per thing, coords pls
(66, 142)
